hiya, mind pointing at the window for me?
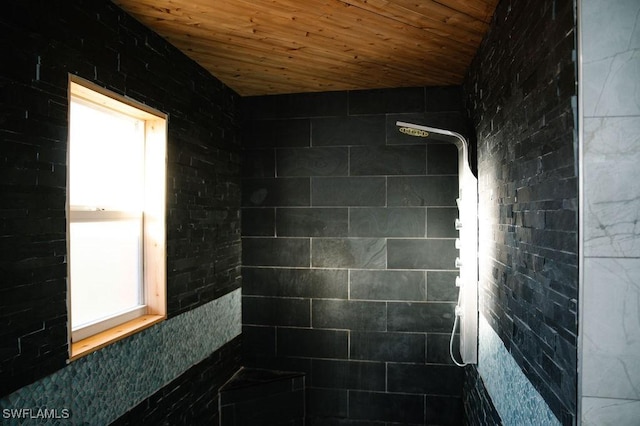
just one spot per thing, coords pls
(116, 217)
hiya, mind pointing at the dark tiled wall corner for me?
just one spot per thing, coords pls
(520, 91)
(191, 398)
(257, 397)
(99, 42)
(478, 407)
(348, 252)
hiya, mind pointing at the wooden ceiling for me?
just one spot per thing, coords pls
(260, 47)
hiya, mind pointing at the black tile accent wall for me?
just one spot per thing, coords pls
(348, 270)
(256, 397)
(528, 265)
(44, 42)
(478, 407)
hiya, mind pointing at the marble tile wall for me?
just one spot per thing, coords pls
(610, 318)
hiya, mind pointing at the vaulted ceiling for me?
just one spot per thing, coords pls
(260, 47)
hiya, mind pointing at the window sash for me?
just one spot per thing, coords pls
(102, 324)
(97, 214)
(84, 214)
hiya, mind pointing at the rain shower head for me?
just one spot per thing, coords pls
(412, 131)
(430, 132)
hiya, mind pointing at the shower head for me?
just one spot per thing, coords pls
(412, 131)
(433, 134)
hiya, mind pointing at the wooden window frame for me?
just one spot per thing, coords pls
(154, 309)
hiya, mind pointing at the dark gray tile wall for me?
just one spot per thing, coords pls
(521, 93)
(257, 397)
(478, 407)
(348, 252)
(97, 41)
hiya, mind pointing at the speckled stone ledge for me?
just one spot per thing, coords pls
(515, 398)
(102, 386)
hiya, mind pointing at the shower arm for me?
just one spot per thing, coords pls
(456, 138)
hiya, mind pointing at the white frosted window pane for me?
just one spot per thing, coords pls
(105, 262)
(106, 157)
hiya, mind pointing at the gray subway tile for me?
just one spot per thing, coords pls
(425, 379)
(387, 160)
(387, 285)
(438, 348)
(441, 286)
(429, 191)
(442, 159)
(348, 131)
(327, 402)
(387, 347)
(391, 407)
(306, 342)
(387, 222)
(258, 222)
(284, 282)
(258, 342)
(276, 311)
(421, 254)
(447, 98)
(275, 251)
(441, 222)
(348, 314)
(271, 192)
(377, 101)
(322, 161)
(446, 410)
(364, 253)
(420, 317)
(348, 374)
(259, 163)
(312, 222)
(295, 105)
(277, 133)
(348, 191)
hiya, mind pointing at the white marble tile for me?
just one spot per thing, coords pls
(611, 324)
(612, 191)
(610, 412)
(609, 27)
(611, 86)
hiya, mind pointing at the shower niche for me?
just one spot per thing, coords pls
(466, 310)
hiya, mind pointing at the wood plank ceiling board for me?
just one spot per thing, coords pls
(260, 47)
